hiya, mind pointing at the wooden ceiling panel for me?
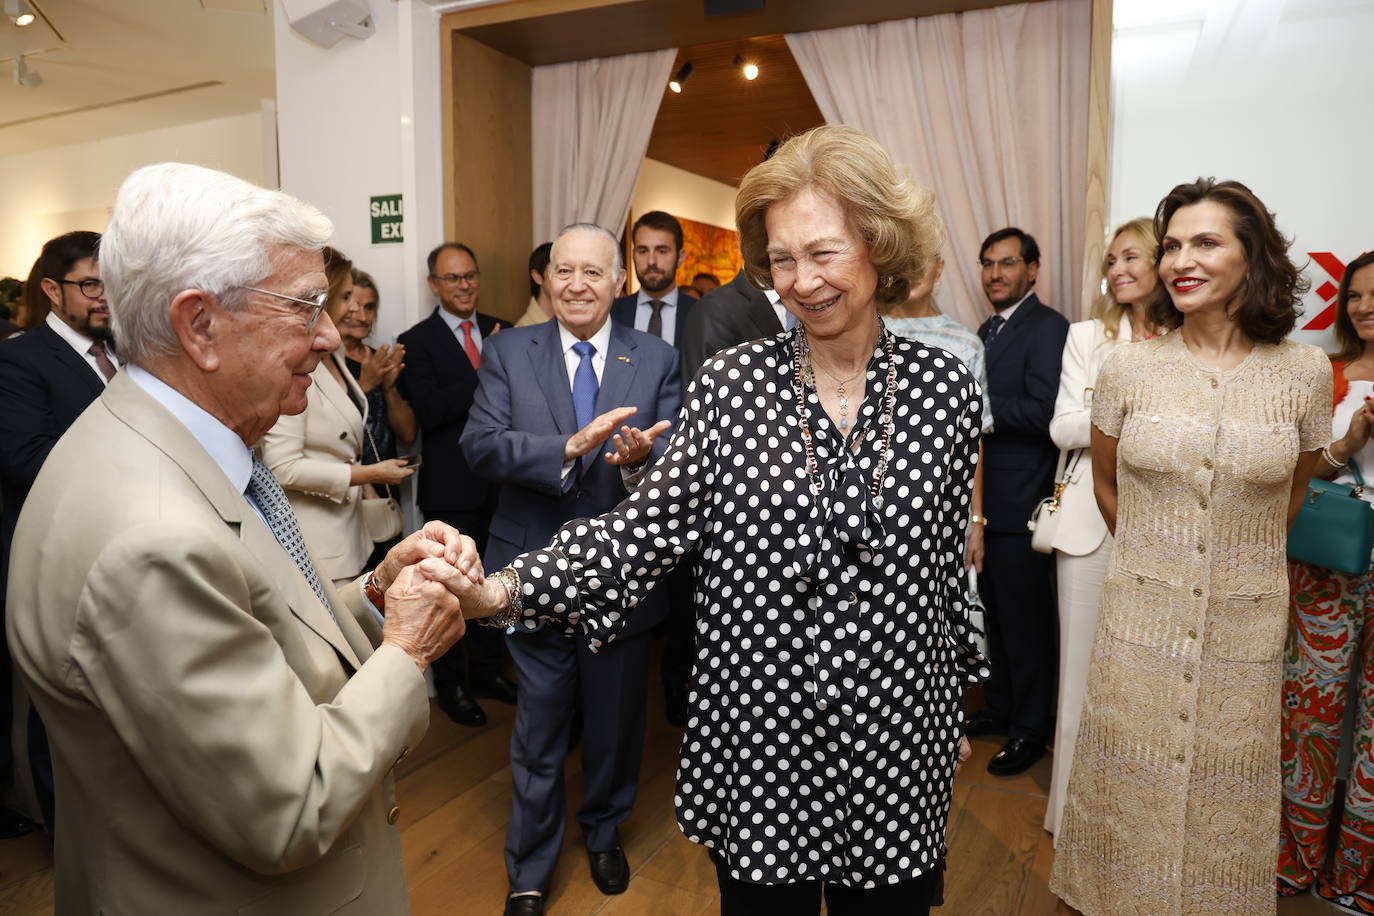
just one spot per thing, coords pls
(721, 124)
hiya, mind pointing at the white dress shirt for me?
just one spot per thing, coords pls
(601, 340)
(784, 316)
(455, 324)
(1006, 313)
(81, 344)
(644, 311)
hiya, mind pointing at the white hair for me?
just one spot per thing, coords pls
(595, 230)
(176, 227)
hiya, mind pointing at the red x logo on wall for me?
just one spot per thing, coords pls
(1335, 269)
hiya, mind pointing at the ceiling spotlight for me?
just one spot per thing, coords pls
(750, 69)
(683, 74)
(25, 77)
(19, 11)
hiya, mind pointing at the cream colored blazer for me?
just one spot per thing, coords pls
(1081, 528)
(312, 455)
(212, 753)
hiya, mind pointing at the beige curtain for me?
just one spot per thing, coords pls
(987, 108)
(591, 126)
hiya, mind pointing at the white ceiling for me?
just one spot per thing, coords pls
(114, 67)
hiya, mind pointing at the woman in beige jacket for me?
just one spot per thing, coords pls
(315, 454)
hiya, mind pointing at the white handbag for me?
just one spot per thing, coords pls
(381, 514)
(1044, 520)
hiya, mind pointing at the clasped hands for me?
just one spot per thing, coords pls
(632, 445)
(425, 578)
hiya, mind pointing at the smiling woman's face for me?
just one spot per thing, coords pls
(820, 265)
(360, 315)
(1203, 261)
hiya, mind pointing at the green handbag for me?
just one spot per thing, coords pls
(1335, 526)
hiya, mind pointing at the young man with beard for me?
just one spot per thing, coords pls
(48, 376)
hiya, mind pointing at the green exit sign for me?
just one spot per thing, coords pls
(386, 219)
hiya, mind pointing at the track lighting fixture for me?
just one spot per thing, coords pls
(25, 77)
(19, 11)
(684, 73)
(749, 69)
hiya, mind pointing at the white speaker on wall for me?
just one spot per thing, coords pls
(326, 21)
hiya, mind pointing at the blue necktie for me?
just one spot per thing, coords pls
(585, 385)
(994, 325)
(271, 501)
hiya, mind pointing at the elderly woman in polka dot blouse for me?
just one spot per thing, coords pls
(819, 482)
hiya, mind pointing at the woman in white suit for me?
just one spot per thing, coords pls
(314, 454)
(1082, 545)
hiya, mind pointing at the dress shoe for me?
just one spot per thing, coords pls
(675, 708)
(497, 688)
(610, 870)
(460, 707)
(13, 824)
(982, 723)
(524, 905)
(1016, 756)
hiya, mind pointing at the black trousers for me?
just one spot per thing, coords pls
(909, 898)
(482, 650)
(1017, 586)
(680, 629)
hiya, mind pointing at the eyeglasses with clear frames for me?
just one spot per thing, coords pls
(471, 278)
(316, 305)
(1004, 263)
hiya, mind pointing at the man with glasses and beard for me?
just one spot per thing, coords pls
(48, 376)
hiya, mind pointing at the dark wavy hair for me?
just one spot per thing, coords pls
(1266, 304)
(1352, 347)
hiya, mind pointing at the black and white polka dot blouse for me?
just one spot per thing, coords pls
(832, 642)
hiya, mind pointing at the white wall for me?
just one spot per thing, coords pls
(361, 119)
(51, 191)
(1274, 94)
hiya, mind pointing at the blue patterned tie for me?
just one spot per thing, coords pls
(271, 501)
(585, 385)
(994, 325)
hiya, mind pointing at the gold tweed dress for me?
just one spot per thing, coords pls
(1173, 800)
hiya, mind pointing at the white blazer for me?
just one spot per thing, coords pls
(1081, 528)
(312, 455)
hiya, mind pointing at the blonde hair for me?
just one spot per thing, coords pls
(1106, 309)
(893, 215)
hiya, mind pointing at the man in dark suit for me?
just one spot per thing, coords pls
(660, 307)
(544, 425)
(48, 376)
(663, 310)
(1025, 342)
(443, 353)
(727, 316)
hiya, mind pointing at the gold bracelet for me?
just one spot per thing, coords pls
(979, 519)
(515, 608)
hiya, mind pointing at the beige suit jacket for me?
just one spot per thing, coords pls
(212, 753)
(312, 455)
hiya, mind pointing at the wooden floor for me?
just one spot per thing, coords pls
(455, 800)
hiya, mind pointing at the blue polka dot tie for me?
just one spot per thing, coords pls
(994, 325)
(271, 501)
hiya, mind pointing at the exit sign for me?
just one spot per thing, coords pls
(385, 212)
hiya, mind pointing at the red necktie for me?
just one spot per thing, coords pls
(102, 360)
(474, 355)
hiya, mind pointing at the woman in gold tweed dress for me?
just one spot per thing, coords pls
(1203, 442)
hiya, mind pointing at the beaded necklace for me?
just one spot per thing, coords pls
(803, 375)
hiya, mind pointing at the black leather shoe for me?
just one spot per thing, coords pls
(675, 708)
(525, 905)
(610, 870)
(460, 707)
(982, 723)
(497, 688)
(1016, 756)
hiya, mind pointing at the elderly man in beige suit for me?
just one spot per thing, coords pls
(223, 721)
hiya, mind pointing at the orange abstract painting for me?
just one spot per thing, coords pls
(709, 250)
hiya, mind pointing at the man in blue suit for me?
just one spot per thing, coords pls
(48, 376)
(1025, 343)
(543, 425)
(661, 309)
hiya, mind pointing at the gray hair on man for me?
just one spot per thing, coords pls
(176, 227)
(596, 230)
